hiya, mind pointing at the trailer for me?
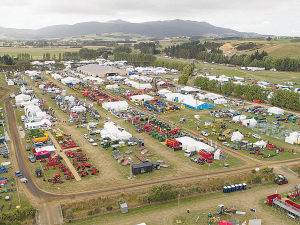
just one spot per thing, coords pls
(172, 143)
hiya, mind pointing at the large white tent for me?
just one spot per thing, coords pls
(237, 136)
(275, 110)
(113, 86)
(260, 144)
(164, 92)
(293, 138)
(22, 98)
(177, 97)
(49, 148)
(116, 106)
(188, 142)
(239, 118)
(70, 80)
(141, 97)
(124, 135)
(249, 123)
(220, 101)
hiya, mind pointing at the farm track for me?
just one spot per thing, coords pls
(47, 199)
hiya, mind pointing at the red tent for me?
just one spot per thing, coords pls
(74, 115)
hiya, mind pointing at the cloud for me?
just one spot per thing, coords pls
(271, 16)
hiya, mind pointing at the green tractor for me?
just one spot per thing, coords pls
(280, 179)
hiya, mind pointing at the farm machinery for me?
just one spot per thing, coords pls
(55, 180)
(295, 194)
(280, 179)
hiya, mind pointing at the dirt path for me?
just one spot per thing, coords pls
(65, 158)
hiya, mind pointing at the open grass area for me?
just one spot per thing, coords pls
(200, 206)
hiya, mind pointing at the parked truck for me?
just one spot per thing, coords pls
(172, 143)
(189, 153)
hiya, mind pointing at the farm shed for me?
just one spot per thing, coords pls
(237, 136)
(97, 70)
(220, 101)
(275, 110)
(124, 207)
(293, 138)
(141, 97)
(198, 105)
(141, 168)
(116, 106)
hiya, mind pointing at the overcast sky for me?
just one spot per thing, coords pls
(277, 17)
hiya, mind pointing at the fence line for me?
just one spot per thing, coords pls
(290, 171)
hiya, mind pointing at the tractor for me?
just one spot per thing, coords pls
(295, 194)
(280, 179)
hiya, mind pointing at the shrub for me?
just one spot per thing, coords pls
(143, 198)
(90, 212)
(165, 187)
(109, 208)
(253, 171)
(120, 201)
(256, 179)
(227, 183)
(69, 214)
(97, 210)
(155, 188)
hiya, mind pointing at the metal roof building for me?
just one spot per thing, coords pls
(96, 70)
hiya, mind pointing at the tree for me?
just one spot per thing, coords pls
(269, 39)
(105, 55)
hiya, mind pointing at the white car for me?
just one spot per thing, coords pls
(86, 136)
(91, 140)
(94, 144)
(256, 136)
(226, 144)
(204, 133)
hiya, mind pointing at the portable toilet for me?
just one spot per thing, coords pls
(228, 189)
(232, 188)
(225, 189)
(244, 186)
(124, 207)
(240, 187)
(236, 187)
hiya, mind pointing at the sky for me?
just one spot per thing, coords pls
(273, 17)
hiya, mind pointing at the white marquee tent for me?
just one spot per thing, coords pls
(249, 123)
(117, 106)
(188, 142)
(22, 98)
(275, 110)
(237, 136)
(293, 138)
(260, 144)
(141, 97)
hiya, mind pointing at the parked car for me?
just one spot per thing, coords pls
(91, 140)
(20, 128)
(256, 136)
(31, 158)
(234, 147)
(204, 133)
(86, 136)
(226, 144)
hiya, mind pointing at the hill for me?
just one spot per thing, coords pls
(169, 28)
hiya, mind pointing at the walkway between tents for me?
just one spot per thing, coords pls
(65, 158)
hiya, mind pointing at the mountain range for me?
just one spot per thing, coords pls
(168, 28)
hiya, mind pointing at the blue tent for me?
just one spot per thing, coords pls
(201, 106)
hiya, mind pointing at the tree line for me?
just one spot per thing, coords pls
(135, 59)
(248, 92)
(147, 47)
